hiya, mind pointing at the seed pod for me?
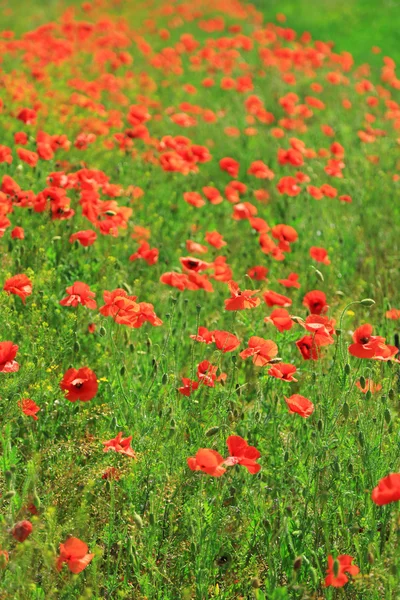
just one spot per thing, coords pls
(122, 370)
(319, 275)
(368, 395)
(347, 369)
(212, 431)
(361, 438)
(362, 381)
(137, 519)
(102, 331)
(8, 475)
(164, 378)
(151, 518)
(391, 394)
(387, 416)
(319, 425)
(345, 410)
(350, 468)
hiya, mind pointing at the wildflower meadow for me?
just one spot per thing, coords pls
(199, 299)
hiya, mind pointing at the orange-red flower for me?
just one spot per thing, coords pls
(337, 569)
(150, 255)
(292, 280)
(120, 444)
(315, 301)
(20, 285)
(79, 384)
(29, 408)
(22, 530)
(208, 461)
(240, 300)
(308, 348)
(319, 255)
(387, 490)
(300, 405)
(262, 351)
(85, 238)
(240, 453)
(8, 352)
(281, 319)
(75, 554)
(274, 299)
(283, 371)
(79, 293)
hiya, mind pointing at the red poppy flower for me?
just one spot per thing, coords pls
(308, 348)
(230, 165)
(387, 490)
(207, 374)
(20, 285)
(258, 273)
(281, 319)
(260, 170)
(240, 300)
(75, 554)
(322, 328)
(4, 558)
(18, 233)
(208, 461)
(300, 405)
(191, 263)
(22, 530)
(150, 255)
(203, 335)
(283, 371)
(225, 341)
(320, 255)
(29, 407)
(8, 352)
(369, 386)
(79, 384)
(365, 344)
(188, 386)
(120, 444)
(262, 351)
(215, 239)
(240, 453)
(119, 306)
(337, 569)
(195, 247)
(315, 301)
(393, 313)
(286, 236)
(194, 199)
(79, 293)
(85, 238)
(274, 299)
(290, 281)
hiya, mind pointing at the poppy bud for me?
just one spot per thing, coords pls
(212, 431)
(22, 530)
(319, 425)
(362, 381)
(286, 457)
(367, 302)
(345, 410)
(151, 518)
(361, 438)
(77, 346)
(319, 275)
(173, 300)
(198, 308)
(297, 563)
(9, 495)
(370, 558)
(234, 359)
(137, 519)
(387, 416)
(391, 394)
(383, 399)
(314, 576)
(368, 395)
(255, 583)
(8, 475)
(102, 331)
(131, 347)
(347, 369)
(298, 320)
(122, 370)
(164, 378)
(148, 342)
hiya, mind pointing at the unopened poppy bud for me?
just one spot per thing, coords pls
(391, 394)
(137, 519)
(102, 331)
(298, 320)
(131, 347)
(286, 456)
(9, 495)
(319, 425)
(362, 381)
(275, 361)
(234, 359)
(314, 576)
(345, 410)
(148, 343)
(368, 395)
(198, 308)
(367, 302)
(77, 346)
(370, 558)
(383, 399)
(173, 300)
(22, 530)
(212, 431)
(297, 563)
(8, 475)
(319, 275)
(122, 370)
(151, 518)
(164, 378)
(361, 438)
(347, 369)
(387, 416)
(255, 583)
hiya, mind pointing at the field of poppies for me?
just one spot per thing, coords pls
(199, 335)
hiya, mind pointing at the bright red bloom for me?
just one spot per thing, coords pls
(8, 352)
(290, 281)
(79, 384)
(150, 255)
(191, 263)
(207, 374)
(18, 233)
(225, 341)
(367, 345)
(283, 371)
(230, 165)
(308, 348)
(387, 490)
(240, 453)
(258, 273)
(337, 569)
(20, 285)
(120, 444)
(262, 351)
(319, 255)
(208, 461)
(192, 246)
(188, 386)
(281, 319)
(85, 238)
(79, 293)
(240, 300)
(29, 407)
(22, 530)
(286, 235)
(75, 554)
(215, 239)
(203, 335)
(300, 405)
(322, 327)
(315, 301)
(118, 305)
(393, 313)
(274, 299)
(31, 158)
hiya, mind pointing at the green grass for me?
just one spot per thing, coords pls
(159, 530)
